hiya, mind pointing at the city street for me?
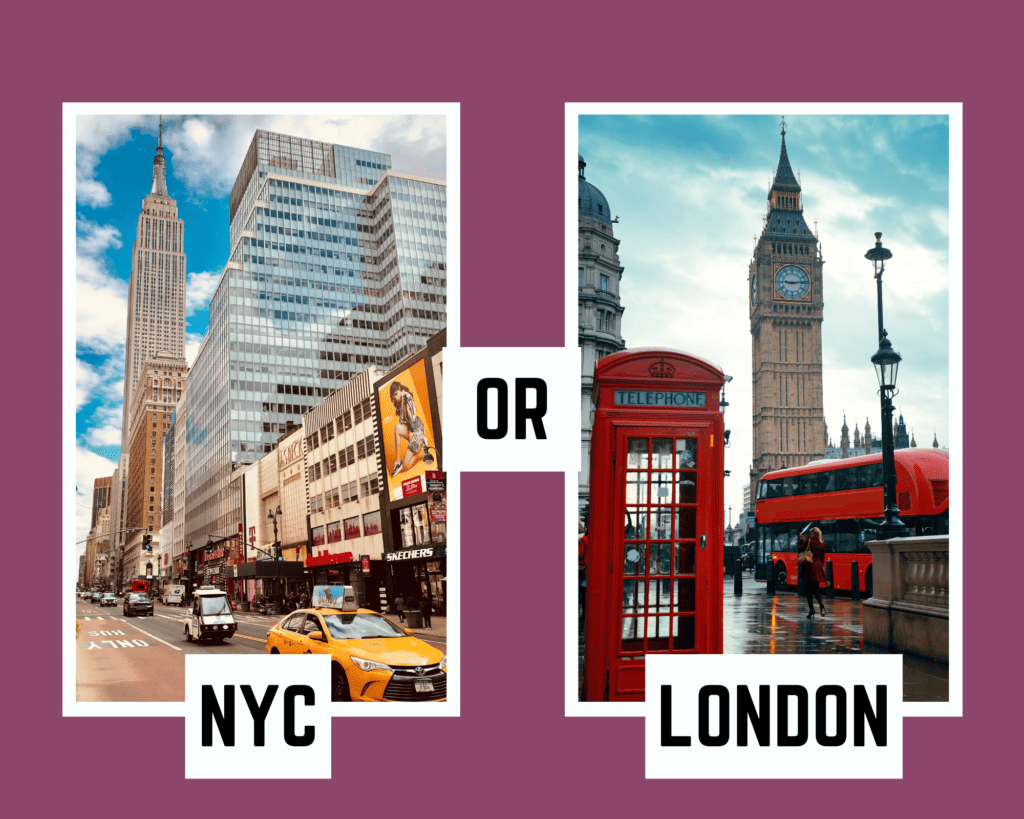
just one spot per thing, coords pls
(142, 659)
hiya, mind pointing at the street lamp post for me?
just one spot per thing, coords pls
(886, 361)
(272, 516)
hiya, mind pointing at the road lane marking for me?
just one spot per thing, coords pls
(150, 635)
(247, 637)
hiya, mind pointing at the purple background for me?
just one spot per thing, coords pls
(512, 67)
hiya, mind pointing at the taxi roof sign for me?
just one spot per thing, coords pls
(334, 597)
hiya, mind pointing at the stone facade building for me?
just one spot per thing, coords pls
(600, 308)
(162, 380)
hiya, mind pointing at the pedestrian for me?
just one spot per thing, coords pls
(426, 610)
(399, 605)
(812, 571)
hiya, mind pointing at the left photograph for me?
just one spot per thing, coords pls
(260, 314)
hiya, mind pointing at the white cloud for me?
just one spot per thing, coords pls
(86, 382)
(198, 289)
(193, 341)
(94, 136)
(101, 299)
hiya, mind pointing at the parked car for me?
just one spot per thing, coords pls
(137, 603)
(108, 599)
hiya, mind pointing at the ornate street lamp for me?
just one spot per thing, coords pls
(887, 362)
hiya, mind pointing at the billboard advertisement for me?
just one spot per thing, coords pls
(407, 429)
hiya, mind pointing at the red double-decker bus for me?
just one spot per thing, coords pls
(844, 499)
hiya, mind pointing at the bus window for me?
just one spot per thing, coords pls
(788, 487)
(847, 537)
(828, 534)
(794, 536)
(830, 480)
(781, 542)
(867, 533)
(876, 474)
(808, 484)
(844, 479)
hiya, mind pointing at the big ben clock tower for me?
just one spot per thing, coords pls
(785, 287)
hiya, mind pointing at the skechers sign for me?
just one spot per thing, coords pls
(660, 398)
(408, 554)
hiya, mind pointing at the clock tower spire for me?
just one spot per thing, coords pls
(786, 310)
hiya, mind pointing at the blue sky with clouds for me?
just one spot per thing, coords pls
(690, 193)
(113, 168)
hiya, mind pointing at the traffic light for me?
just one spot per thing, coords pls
(147, 542)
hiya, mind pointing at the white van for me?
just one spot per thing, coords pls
(211, 617)
(174, 595)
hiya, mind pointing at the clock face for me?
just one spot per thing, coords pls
(792, 282)
(753, 289)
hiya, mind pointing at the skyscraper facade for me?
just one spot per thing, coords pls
(156, 323)
(336, 262)
(156, 289)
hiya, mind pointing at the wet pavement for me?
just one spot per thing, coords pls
(754, 623)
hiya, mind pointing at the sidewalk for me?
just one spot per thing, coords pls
(754, 623)
(438, 627)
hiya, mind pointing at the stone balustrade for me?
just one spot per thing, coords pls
(909, 610)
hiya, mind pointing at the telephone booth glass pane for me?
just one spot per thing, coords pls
(636, 453)
(635, 560)
(636, 523)
(686, 522)
(661, 456)
(686, 487)
(686, 552)
(636, 487)
(686, 453)
(661, 520)
(661, 487)
(660, 555)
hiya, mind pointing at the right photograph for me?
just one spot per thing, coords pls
(766, 436)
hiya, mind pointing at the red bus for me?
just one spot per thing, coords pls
(843, 498)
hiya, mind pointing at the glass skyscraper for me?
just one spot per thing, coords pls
(336, 262)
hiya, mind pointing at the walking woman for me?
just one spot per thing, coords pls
(812, 572)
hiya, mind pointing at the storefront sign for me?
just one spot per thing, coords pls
(408, 554)
(365, 560)
(435, 482)
(650, 398)
(413, 486)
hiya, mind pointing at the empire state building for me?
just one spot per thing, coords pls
(156, 290)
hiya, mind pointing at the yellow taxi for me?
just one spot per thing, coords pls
(372, 659)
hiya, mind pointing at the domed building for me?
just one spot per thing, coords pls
(600, 311)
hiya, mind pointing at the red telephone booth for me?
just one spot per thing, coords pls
(654, 563)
